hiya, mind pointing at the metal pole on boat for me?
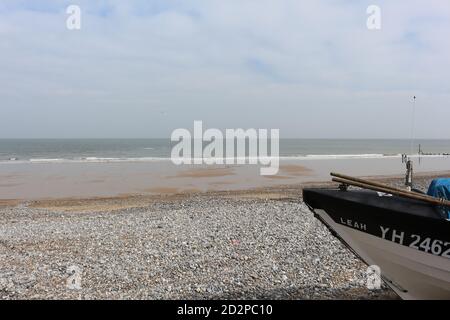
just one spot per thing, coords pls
(409, 162)
(409, 175)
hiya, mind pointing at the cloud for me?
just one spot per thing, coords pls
(307, 68)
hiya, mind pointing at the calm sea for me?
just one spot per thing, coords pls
(47, 150)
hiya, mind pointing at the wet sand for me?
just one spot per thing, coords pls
(282, 192)
(208, 172)
(40, 181)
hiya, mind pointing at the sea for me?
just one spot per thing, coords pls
(111, 150)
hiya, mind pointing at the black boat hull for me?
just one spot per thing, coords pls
(406, 239)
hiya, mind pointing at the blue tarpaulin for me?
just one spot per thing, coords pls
(440, 188)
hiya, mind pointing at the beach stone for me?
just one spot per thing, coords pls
(201, 246)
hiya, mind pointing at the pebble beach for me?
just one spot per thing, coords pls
(260, 244)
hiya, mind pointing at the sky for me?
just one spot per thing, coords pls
(140, 69)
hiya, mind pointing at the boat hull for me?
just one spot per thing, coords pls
(413, 256)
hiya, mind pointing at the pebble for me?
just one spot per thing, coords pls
(198, 247)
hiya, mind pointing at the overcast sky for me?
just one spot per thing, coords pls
(144, 68)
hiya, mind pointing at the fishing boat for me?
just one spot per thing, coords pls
(404, 233)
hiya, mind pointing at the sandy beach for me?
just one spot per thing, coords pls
(259, 242)
(50, 180)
